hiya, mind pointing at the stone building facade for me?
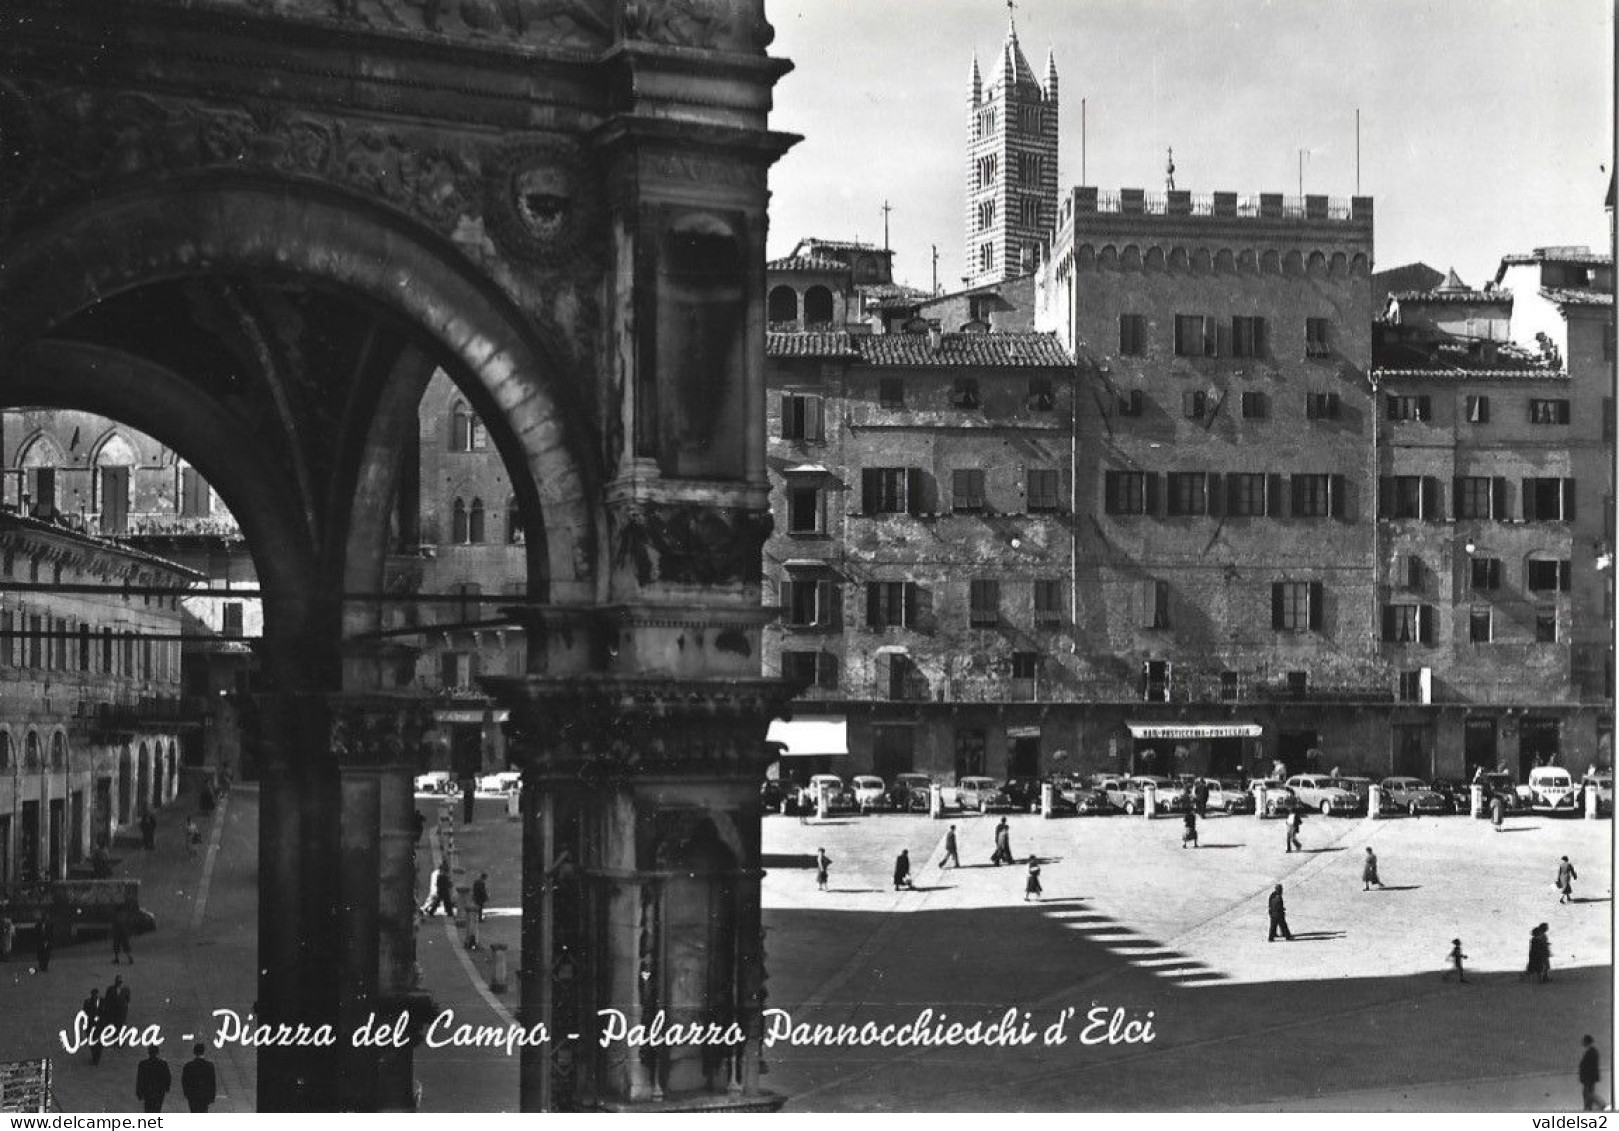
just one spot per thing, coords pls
(89, 694)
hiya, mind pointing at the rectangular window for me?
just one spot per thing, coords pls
(1025, 665)
(965, 394)
(1247, 336)
(1255, 406)
(1296, 606)
(1195, 403)
(891, 392)
(812, 669)
(1477, 409)
(36, 642)
(1044, 489)
(986, 252)
(1132, 335)
(1548, 500)
(984, 602)
(1132, 403)
(1230, 688)
(1312, 496)
(1406, 496)
(1548, 412)
(1245, 495)
(800, 417)
(1408, 624)
(1317, 337)
(1480, 625)
(1411, 686)
(967, 489)
(1474, 496)
(195, 497)
(890, 604)
(1188, 493)
(1485, 574)
(1041, 398)
(891, 490)
(1409, 408)
(1195, 336)
(1547, 576)
(804, 510)
(808, 602)
(1048, 600)
(1155, 681)
(1126, 492)
(232, 619)
(1321, 406)
(1298, 685)
(1154, 603)
(1546, 626)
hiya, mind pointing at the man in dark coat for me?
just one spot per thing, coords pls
(197, 1082)
(92, 1010)
(1200, 797)
(44, 943)
(115, 1002)
(902, 869)
(950, 856)
(152, 1080)
(1294, 821)
(1003, 844)
(1278, 916)
(1590, 1073)
(149, 830)
(120, 937)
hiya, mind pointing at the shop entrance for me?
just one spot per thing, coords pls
(1023, 760)
(1479, 750)
(1293, 749)
(1225, 757)
(1539, 743)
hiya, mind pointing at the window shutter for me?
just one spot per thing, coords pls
(1273, 496)
(1425, 623)
(913, 490)
(1222, 342)
(1385, 497)
(1425, 408)
(1216, 494)
(1498, 499)
(1317, 599)
(832, 600)
(1529, 500)
(910, 604)
(1150, 492)
(1189, 405)
(1393, 404)
(1433, 508)
(882, 673)
(1563, 577)
(1278, 615)
(1233, 487)
(1339, 491)
(1211, 337)
(1333, 402)
(870, 485)
(1568, 500)
(1389, 623)
(874, 604)
(817, 419)
(826, 669)
(786, 416)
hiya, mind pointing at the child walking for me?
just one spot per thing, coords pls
(1189, 837)
(1455, 958)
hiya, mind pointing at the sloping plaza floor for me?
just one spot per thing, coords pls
(1351, 1016)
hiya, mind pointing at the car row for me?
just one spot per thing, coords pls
(445, 783)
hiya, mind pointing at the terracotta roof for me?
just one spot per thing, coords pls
(1471, 374)
(828, 344)
(1441, 294)
(840, 245)
(806, 263)
(1563, 296)
(1021, 350)
(1557, 255)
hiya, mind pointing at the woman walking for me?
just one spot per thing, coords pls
(822, 863)
(1032, 886)
(1368, 873)
(1566, 875)
(1540, 955)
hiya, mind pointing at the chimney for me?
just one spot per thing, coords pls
(935, 337)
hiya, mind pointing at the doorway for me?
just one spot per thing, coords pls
(1410, 754)
(58, 839)
(1225, 757)
(75, 828)
(28, 845)
(1023, 761)
(1293, 750)
(1479, 751)
(1539, 743)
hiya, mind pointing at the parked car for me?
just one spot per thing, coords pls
(982, 794)
(1130, 794)
(772, 796)
(1023, 793)
(1503, 786)
(1318, 791)
(1279, 799)
(1171, 795)
(1552, 790)
(504, 782)
(436, 781)
(841, 797)
(1604, 784)
(1226, 795)
(1362, 789)
(1087, 801)
(1414, 795)
(908, 793)
(1457, 795)
(868, 791)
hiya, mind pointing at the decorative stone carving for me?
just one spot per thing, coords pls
(540, 202)
(691, 544)
(375, 733)
(707, 170)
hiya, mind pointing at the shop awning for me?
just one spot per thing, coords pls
(1194, 730)
(810, 737)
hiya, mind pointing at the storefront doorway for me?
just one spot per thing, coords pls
(1479, 751)
(1225, 758)
(1023, 759)
(1539, 743)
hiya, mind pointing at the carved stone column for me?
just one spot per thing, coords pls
(641, 885)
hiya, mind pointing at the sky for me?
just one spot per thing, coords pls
(1486, 126)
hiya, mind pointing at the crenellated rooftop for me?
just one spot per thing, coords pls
(1087, 199)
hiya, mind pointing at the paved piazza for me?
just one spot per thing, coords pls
(1352, 1014)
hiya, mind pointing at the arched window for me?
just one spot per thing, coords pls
(58, 751)
(783, 305)
(466, 430)
(39, 463)
(515, 535)
(475, 522)
(30, 756)
(458, 522)
(817, 306)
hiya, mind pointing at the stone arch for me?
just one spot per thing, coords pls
(32, 760)
(1293, 263)
(1224, 262)
(58, 751)
(1315, 264)
(1338, 266)
(1154, 261)
(819, 309)
(1108, 258)
(1178, 260)
(1270, 263)
(1130, 258)
(1359, 264)
(782, 305)
(1085, 257)
(1202, 262)
(40, 450)
(1247, 262)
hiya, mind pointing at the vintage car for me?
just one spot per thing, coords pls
(1024, 793)
(840, 796)
(1323, 793)
(1226, 795)
(1552, 790)
(1457, 795)
(504, 782)
(868, 791)
(981, 794)
(436, 781)
(908, 793)
(1123, 794)
(1362, 789)
(1604, 785)
(1088, 802)
(1413, 795)
(1279, 800)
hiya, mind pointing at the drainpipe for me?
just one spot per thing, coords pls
(1377, 494)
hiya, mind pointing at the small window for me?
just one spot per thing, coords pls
(1230, 689)
(1410, 408)
(1132, 403)
(1188, 493)
(1296, 606)
(1546, 576)
(1485, 574)
(1321, 406)
(1048, 600)
(1195, 403)
(1408, 624)
(1245, 495)
(1026, 665)
(984, 600)
(1546, 626)
(466, 430)
(804, 510)
(1480, 625)
(1317, 337)
(1154, 603)
(811, 669)
(806, 602)
(1156, 677)
(1041, 398)
(1298, 685)
(801, 417)
(1247, 336)
(965, 395)
(1255, 406)
(1411, 686)
(1132, 335)
(1548, 500)
(890, 490)
(891, 392)
(1194, 336)
(1548, 412)
(986, 254)
(967, 489)
(1477, 409)
(1044, 489)
(1475, 495)
(1312, 496)
(1126, 492)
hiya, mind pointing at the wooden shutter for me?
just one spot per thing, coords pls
(1385, 497)
(786, 416)
(909, 594)
(1433, 507)
(1233, 487)
(1425, 408)
(1425, 623)
(1498, 499)
(1338, 490)
(829, 604)
(874, 604)
(1529, 500)
(1296, 494)
(913, 490)
(1273, 496)
(1563, 576)
(871, 483)
(813, 429)
(1278, 606)
(1389, 623)
(1568, 500)
(1317, 600)
(1216, 494)
(1150, 492)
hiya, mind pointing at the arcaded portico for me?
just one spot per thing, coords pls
(255, 231)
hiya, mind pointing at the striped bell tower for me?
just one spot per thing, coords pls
(1011, 165)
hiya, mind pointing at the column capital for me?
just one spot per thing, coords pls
(619, 727)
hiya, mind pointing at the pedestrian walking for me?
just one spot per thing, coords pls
(440, 894)
(152, 1080)
(1294, 820)
(1590, 1073)
(902, 870)
(1454, 958)
(1189, 837)
(1540, 955)
(950, 856)
(1498, 813)
(44, 943)
(8, 937)
(115, 1002)
(822, 863)
(1566, 875)
(1278, 916)
(1368, 872)
(149, 830)
(193, 838)
(91, 1011)
(120, 937)
(198, 1083)
(1003, 845)
(421, 826)
(480, 894)
(1031, 886)
(1200, 797)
